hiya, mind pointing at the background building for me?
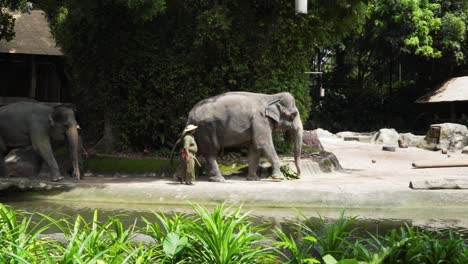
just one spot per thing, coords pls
(31, 66)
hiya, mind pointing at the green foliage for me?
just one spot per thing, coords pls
(173, 245)
(111, 165)
(288, 173)
(19, 238)
(7, 21)
(403, 50)
(223, 235)
(295, 252)
(329, 259)
(144, 68)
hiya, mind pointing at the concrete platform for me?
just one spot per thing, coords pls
(374, 190)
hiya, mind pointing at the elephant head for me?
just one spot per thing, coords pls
(285, 115)
(63, 122)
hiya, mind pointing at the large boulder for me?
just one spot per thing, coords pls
(446, 136)
(386, 136)
(322, 133)
(311, 139)
(409, 140)
(344, 134)
(23, 162)
(26, 163)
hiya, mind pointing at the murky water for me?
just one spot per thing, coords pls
(373, 221)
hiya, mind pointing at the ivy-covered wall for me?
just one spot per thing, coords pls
(144, 63)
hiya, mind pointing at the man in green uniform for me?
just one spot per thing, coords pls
(188, 154)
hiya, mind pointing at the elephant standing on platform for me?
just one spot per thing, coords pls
(33, 124)
(242, 118)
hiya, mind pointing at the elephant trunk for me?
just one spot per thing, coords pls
(73, 142)
(298, 130)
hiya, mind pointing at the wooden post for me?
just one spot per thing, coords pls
(33, 80)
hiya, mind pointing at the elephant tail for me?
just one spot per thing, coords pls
(174, 147)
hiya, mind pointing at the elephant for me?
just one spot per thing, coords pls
(34, 124)
(244, 118)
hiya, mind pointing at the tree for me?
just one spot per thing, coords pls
(403, 50)
(7, 21)
(145, 63)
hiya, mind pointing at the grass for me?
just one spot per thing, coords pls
(223, 235)
(111, 165)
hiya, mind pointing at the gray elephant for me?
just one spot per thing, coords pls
(242, 118)
(34, 124)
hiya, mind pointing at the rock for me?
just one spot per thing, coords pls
(310, 138)
(448, 136)
(356, 136)
(322, 133)
(465, 150)
(327, 161)
(347, 134)
(386, 136)
(444, 151)
(402, 144)
(23, 162)
(388, 148)
(409, 140)
(374, 161)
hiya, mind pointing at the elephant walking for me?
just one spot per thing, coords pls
(242, 118)
(34, 124)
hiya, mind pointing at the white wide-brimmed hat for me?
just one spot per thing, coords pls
(189, 128)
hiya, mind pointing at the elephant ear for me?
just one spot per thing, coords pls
(273, 111)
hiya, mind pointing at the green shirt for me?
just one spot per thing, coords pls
(190, 144)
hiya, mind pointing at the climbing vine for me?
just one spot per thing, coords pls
(145, 63)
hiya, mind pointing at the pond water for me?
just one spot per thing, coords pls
(374, 221)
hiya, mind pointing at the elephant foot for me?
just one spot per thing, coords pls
(253, 178)
(277, 176)
(217, 179)
(57, 178)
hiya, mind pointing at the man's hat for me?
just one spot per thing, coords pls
(189, 128)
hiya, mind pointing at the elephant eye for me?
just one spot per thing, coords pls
(292, 116)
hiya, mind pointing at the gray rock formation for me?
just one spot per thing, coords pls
(386, 136)
(446, 136)
(409, 140)
(311, 139)
(23, 162)
(322, 133)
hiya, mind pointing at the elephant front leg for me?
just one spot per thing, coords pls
(271, 155)
(43, 148)
(254, 158)
(213, 169)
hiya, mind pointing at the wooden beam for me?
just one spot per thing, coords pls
(33, 80)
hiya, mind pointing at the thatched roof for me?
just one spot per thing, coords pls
(32, 36)
(455, 89)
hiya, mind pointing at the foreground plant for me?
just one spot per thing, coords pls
(293, 252)
(226, 236)
(19, 239)
(95, 242)
(222, 235)
(169, 234)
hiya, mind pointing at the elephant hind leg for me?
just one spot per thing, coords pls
(213, 169)
(254, 158)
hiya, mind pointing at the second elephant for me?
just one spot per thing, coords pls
(242, 118)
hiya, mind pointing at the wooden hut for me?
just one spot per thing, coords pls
(31, 66)
(449, 102)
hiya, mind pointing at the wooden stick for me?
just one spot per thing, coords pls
(440, 164)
